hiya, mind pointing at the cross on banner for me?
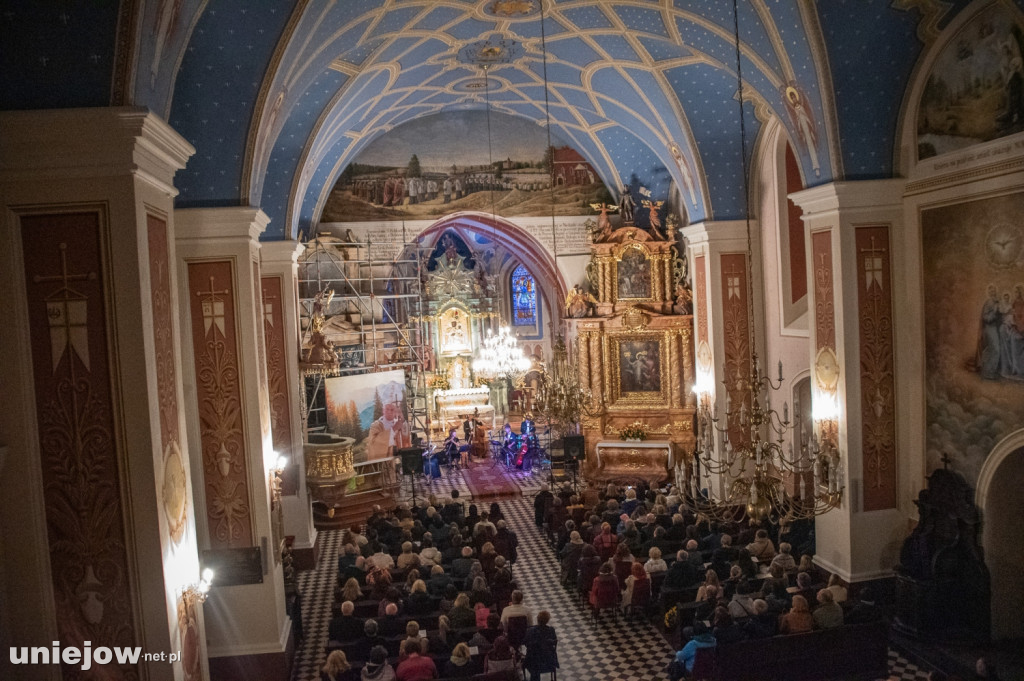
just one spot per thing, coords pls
(67, 310)
(213, 308)
(873, 266)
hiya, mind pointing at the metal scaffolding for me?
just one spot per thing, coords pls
(378, 300)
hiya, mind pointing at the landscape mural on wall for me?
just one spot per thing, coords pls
(975, 91)
(974, 324)
(441, 164)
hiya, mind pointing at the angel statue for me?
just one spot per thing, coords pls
(604, 225)
(321, 303)
(655, 228)
(579, 302)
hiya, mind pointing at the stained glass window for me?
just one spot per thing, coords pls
(524, 298)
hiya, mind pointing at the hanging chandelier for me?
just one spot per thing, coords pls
(500, 358)
(561, 398)
(740, 465)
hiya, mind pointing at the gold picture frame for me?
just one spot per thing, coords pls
(637, 369)
(633, 275)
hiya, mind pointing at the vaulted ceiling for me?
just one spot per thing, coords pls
(279, 96)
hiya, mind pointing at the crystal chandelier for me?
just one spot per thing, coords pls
(501, 358)
(751, 467)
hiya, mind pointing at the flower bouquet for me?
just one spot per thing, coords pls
(634, 431)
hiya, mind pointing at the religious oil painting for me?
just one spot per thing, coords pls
(639, 366)
(633, 276)
(975, 91)
(444, 163)
(371, 409)
(974, 328)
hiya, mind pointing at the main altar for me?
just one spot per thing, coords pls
(460, 307)
(633, 339)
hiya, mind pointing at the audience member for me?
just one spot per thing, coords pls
(461, 665)
(835, 585)
(762, 547)
(500, 657)
(828, 614)
(655, 563)
(377, 668)
(798, 619)
(345, 626)
(541, 647)
(336, 665)
(462, 615)
(516, 609)
(702, 638)
(415, 667)
(783, 559)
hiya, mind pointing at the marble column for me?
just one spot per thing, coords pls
(850, 228)
(281, 328)
(96, 511)
(231, 445)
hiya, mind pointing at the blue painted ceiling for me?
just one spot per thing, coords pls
(278, 96)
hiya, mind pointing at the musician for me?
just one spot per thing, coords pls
(528, 430)
(509, 443)
(450, 446)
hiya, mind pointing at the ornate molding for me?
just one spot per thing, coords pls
(174, 488)
(215, 343)
(67, 287)
(736, 332)
(877, 371)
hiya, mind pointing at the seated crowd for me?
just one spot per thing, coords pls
(712, 584)
(427, 592)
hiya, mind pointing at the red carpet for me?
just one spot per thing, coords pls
(487, 483)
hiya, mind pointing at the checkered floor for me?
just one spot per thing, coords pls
(611, 650)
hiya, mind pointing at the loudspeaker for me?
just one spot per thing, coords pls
(575, 448)
(412, 460)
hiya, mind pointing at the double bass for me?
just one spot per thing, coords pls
(524, 447)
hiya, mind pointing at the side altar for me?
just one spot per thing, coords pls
(632, 336)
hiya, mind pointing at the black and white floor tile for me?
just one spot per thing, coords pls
(610, 650)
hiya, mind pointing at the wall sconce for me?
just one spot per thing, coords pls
(197, 593)
(275, 480)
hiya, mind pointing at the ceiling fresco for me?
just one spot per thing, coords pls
(279, 97)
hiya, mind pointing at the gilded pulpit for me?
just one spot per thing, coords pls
(635, 356)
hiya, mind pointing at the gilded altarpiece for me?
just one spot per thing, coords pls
(636, 358)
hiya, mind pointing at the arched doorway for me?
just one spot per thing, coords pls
(1001, 500)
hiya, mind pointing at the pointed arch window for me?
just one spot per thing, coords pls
(524, 297)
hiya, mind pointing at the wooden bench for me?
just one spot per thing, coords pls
(848, 652)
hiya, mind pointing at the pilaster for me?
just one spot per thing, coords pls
(229, 430)
(281, 327)
(721, 307)
(851, 228)
(96, 511)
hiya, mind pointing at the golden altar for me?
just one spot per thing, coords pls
(625, 461)
(635, 356)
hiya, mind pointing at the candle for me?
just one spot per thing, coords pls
(817, 473)
(780, 371)
(785, 412)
